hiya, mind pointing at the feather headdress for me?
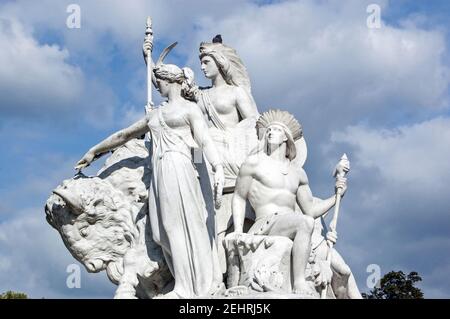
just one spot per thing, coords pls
(283, 118)
(291, 126)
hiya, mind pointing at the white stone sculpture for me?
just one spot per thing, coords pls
(274, 187)
(156, 221)
(177, 210)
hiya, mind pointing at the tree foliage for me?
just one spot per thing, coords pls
(13, 295)
(396, 285)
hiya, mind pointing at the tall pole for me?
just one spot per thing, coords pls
(149, 38)
(341, 170)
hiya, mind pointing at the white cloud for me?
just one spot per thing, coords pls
(398, 199)
(108, 26)
(37, 82)
(412, 157)
(34, 78)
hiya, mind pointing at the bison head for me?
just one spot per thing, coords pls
(95, 222)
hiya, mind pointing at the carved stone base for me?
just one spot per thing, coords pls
(260, 267)
(260, 263)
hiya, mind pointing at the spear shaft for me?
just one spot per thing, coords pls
(149, 37)
(339, 172)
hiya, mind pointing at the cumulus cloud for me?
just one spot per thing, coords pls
(115, 25)
(34, 78)
(412, 157)
(37, 82)
(397, 197)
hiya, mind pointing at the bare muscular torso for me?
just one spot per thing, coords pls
(271, 189)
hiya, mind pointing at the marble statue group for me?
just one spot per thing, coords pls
(204, 196)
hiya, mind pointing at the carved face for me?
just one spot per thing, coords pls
(209, 67)
(275, 135)
(163, 87)
(96, 231)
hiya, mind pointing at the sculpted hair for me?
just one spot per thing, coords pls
(169, 72)
(173, 74)
(228, 62)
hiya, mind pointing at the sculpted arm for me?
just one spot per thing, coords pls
(202, 137)
(312, 206)
(239, 200)
(197, 95)
(119, 138)
(245, 104)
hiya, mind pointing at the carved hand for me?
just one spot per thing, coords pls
(148, 45)
(219, 177)
(340, 171)
(332, 237)
(219, 180)
(149, 107)
(341, 183)
(322, 273)
(87, 159)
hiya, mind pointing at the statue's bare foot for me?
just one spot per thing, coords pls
(236, 291)
(217, 288)
(302, 288)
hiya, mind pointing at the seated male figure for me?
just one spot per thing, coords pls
(273, 186)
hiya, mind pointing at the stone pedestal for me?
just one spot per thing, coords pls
(258, 263)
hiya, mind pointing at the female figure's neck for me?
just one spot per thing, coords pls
(174, 94)
(218, 80)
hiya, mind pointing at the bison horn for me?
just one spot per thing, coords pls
(69, 199)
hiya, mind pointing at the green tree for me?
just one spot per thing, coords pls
(13, 295)
(396, 285)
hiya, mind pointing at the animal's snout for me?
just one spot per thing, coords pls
(95, 265)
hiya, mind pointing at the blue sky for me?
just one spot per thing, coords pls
(381, 95)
